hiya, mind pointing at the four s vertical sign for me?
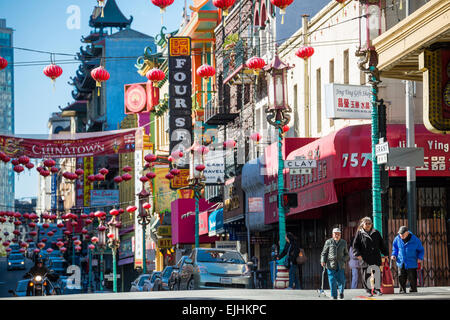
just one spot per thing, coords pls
(180, 97)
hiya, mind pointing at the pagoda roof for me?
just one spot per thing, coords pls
(79, 106)
(112, 17)
(129, 34)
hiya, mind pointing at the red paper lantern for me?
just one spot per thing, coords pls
(146, 205)
(59, 244)
(104, 171)
(143, 179)
(118, 179)
(100, 75)
(63, 249)
(77, 248)
(127, 169)
(114, 212)
(150, 175)
(150, 157)
(206, 71)
(41, 245)
(170, 176)
(224, 5)
(3, 63)
(79, 172)
(200, 167)
(304, 52)
(94, 239)
(162, 4)
(49, 163)
(29, 166)
(131, 209)
(229, 144)
(175, 171)
(127, 177)
(24, 160)
(99, 177)
(256, 136)
(155, 75)
(202, 150)
(282, 4)
(256, 64)
(18, 168)
(53, 71)
(91, 247)
(91, 178)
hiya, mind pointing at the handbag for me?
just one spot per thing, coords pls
(387, 283)
(301, 258)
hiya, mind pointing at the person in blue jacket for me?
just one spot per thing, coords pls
(407, 251)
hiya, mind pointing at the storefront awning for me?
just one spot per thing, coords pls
(345, 155)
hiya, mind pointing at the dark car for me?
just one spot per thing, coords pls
(15, 248)
(211, 268)
(21, 289)
(153, 283)
(174, 279)
(165, 277)
(16, 261)
(137, 284)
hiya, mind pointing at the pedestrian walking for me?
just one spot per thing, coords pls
(408, 252)
(292, 250)
(368, 247)
(354, 265)
(334, 256)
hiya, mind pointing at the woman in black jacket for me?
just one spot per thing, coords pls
(292, 250)
(368, 247)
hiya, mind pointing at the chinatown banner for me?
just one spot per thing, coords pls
(72, 145)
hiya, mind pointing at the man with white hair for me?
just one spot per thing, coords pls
(334, 257)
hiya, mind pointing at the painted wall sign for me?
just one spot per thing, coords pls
(180, 100)
(140, 97)
(345, 101)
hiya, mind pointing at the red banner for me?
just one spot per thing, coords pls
(69, 145)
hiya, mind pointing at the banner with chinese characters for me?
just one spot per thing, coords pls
(88, 186)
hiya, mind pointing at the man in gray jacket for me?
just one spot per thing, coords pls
(334, 257)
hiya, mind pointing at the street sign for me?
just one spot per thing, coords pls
(406, 157)
(165, 243)
(382, 158)
(381, 148)
(164, 231)
(110, 276)
(295, 171)
(300, 163)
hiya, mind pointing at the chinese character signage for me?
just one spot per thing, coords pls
(180, 100)
(345, 101)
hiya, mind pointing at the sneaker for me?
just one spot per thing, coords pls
(341, 296)
(402, 291)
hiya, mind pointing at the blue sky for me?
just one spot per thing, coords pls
(42, 25)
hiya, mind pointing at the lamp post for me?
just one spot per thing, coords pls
(113, 243)
(197, 183)
(144, 219)
(278, 116)
(101, 245)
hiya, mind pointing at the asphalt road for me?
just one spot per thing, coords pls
(8, 279)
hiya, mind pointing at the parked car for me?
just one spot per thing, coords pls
(165, 277)
(15, 261)
(21, 289)
(174, 279)
(210, 268)
(153, 283)
(137, 284)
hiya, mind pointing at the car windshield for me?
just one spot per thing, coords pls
(16, 257)
(167, 272)
(217, 256)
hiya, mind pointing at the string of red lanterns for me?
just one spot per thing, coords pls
(224, 5)
(282, 4)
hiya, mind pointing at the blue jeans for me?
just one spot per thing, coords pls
(336, 279)
(293, 276)
(355, 278)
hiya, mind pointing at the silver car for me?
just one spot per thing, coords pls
(210, 268)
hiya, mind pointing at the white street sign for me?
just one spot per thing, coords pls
(300, 163)
(381, 148)
(383, 158)
(294, 171)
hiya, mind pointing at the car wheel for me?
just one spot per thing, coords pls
(190, 285)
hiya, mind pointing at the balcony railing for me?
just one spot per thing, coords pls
(217, 113)
(234, 60)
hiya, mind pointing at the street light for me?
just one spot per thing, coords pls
(101, 242)
(277, 115)
(113, 243)
(144, 219)
(197, 183)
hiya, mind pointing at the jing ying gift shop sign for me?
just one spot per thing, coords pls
(180, 100)
(345, 101)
